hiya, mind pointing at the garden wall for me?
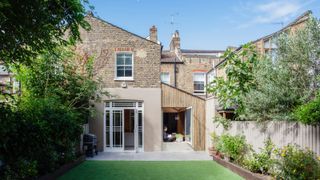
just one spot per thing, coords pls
(280, 132)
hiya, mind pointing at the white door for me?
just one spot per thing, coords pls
(117, 130)
(136, 130)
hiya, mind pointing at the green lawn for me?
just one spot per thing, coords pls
(153, 170)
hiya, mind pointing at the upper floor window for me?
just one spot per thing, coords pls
(124, 66)
(199, 82)
(165, 77)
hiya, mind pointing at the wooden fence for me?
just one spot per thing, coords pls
(281, 133)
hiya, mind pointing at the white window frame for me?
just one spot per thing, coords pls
(198, 92)
(115, 67)
(168, 77)
(108, 107)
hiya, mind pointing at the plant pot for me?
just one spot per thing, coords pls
(212, 151)
(218, 155)
(227, 158)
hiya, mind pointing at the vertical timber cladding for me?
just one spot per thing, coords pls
(174, 97)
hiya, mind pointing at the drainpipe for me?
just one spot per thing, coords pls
(175, 72)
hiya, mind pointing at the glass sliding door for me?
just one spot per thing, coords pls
(188, 125)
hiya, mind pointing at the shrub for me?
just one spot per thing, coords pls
(40, 132)
(214, 139)
(234, 147)
(261, 162)
(309, 113)
(22, 169)
(296, 163)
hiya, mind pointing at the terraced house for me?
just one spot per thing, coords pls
(157, 97)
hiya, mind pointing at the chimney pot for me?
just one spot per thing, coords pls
(153, 34)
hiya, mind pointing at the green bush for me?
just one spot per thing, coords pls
(261, 162)
(22, 169)
(214, 139)
(234, 147)
(296, 163)
(41, 132)
(309, 113)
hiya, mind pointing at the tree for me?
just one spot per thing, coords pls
(62, 74)
(29, 27)
(290, 81)
(239, 67)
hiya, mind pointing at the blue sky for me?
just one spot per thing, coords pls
(204, 24)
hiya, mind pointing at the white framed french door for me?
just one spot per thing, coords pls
(123, 125)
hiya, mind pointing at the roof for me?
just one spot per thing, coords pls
(195, 51)
(203, 53)
(104, 21)
(170, 57)
(298, 20)
(302, 18)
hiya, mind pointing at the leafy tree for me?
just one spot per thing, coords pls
(28, 27)
(290, 81)
(64, 75)
(239, 78)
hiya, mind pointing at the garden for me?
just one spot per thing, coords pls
(41, 124)
(259, 88)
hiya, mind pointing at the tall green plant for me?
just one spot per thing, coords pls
(239, 79)
(290, 81)
(61, 74)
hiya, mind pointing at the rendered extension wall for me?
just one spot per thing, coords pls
(151, 98)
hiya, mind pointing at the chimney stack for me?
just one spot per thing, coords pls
(153, 34)
(175, 42)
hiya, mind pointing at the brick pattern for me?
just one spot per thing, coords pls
(185, 71)
(104, 40)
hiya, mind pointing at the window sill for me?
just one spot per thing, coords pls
(199, 94)
(123, 79)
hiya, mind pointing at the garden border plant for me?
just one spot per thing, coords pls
(290, 161)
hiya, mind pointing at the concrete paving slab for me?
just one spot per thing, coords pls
(151, 156)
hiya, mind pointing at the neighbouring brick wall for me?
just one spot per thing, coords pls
(104, 40)
(169, 68)
(185, 71)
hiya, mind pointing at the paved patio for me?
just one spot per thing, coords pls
(152, 156)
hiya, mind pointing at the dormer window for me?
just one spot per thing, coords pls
(124, 66)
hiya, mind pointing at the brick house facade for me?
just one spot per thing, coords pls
(128, 66)
(181, 65)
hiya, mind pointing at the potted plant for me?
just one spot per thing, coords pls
(179, 137)
(213, 151)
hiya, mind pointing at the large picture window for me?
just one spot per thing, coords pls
(199, 82)
(124, 66)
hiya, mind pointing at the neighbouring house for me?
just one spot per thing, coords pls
(8, 84)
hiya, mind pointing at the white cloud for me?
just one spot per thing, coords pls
(273, 11)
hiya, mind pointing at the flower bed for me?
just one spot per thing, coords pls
(290, 161)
